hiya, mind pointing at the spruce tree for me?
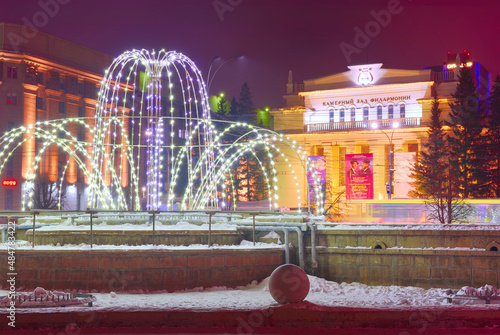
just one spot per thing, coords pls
(494, 138)
(245, 102)
(233, 110)
(428, 171)
(434, 179)
(222, 106)
(468, 162)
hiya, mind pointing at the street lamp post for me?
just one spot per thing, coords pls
(391, 154)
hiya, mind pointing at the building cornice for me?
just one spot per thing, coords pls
(422, 129)
(51, 65)
(90, 102)
(368, 88)
(53, 94)
(291, 110)
(73, 98)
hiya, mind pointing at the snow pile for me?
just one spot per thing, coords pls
(399, 226)
(42, 298)
(255, 296)
(159, 226)
(327, 293)
(272, 236)
(486, 291)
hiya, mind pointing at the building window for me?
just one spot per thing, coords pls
(39, 78)
(332, 115)
(365, 113)
(379, 112)
(8, 199)
(39, 103)
(11, 99)
(11, 72)
(353, 114)
(183, 133)
(62, 108)
(10, 159)
(402, 111)
(390, 113)
(10, 166)
(342, 114)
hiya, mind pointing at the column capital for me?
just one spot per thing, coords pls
(30, 89)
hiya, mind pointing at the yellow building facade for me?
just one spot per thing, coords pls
(46, 78)
(365, 110)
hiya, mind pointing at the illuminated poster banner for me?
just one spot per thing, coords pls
(316, 178)
(359, 176)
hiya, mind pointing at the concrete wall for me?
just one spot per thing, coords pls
(149, 270)
(135, 237)
(411, 257)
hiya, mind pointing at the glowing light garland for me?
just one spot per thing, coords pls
(145, 100)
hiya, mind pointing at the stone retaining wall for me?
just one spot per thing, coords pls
(410, 257)
(407, 267)
(148, 270)
(135, 237)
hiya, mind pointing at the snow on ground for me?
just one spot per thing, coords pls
(181, 225)
(405, 226)
(255, 296)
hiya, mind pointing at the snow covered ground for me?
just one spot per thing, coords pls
(256, 296)
(405, 226)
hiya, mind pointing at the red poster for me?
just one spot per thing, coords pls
(359, 176)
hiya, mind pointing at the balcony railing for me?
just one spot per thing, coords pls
(361, 125)
(443, 76)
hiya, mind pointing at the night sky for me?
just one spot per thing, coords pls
(275, 36)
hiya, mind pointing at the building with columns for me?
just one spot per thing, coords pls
(367, 113)
(44, 77)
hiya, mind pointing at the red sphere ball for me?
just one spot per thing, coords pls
(288, 284)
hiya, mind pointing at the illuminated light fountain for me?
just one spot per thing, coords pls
(154, 142)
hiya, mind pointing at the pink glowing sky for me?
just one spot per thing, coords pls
(276, 36)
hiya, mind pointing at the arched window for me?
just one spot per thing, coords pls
(365, 113)
(390, 112)
(402, 111)
(332, 115)
(379, 112)
(342, 114)
(353, 113)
